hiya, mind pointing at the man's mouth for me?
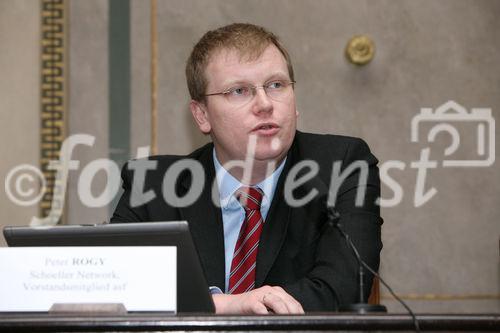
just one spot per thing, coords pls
(266, 129)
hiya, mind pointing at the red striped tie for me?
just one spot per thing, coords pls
(242, 276)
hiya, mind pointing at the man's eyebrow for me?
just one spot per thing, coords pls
(276, 75)
(231, 83)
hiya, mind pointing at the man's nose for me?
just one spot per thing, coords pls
(262, 102)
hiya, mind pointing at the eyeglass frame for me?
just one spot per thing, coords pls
(252, 88)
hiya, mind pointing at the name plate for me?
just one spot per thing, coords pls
(140, 278)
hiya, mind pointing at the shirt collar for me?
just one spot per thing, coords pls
(228, 184)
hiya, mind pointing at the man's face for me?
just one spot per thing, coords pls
(272, 122)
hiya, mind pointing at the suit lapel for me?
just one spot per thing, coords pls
(205, 223)
(275, 227)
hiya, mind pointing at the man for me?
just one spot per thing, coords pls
(257, 241)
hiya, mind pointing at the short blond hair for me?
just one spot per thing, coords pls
(248, 39)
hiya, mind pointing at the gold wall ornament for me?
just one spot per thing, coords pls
(360, 50)
(53, 104)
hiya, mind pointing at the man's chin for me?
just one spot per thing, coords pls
(269, 156)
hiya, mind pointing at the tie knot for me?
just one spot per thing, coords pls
(249, 197)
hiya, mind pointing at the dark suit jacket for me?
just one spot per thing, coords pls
(298, 250)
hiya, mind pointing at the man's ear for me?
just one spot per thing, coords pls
(199, 112)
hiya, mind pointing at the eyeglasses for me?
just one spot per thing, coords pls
(277, 90)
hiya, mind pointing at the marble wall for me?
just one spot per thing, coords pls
(19, 99)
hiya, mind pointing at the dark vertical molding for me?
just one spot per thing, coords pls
(119, 82)
(154, 76)
(53, 101)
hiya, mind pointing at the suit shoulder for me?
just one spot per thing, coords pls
(170, 159)
(160, 163)
(331, 145)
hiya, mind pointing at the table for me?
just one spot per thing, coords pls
(319, 322)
